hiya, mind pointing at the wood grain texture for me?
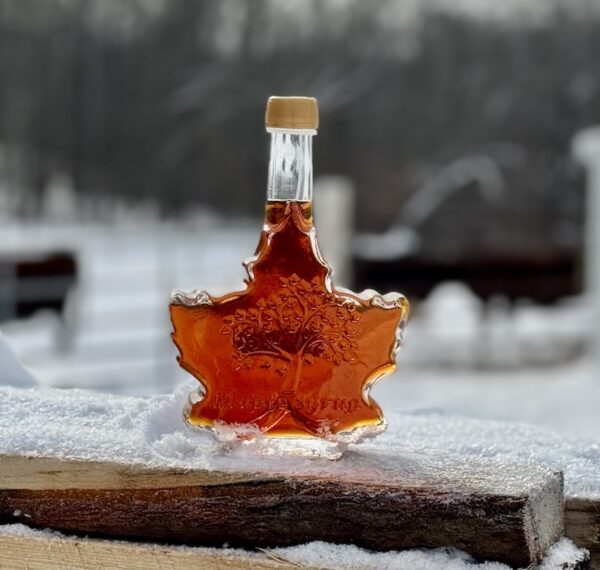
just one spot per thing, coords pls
(582, 526)
(68, 553)
(48, 552)
(376, 510)
(51, 473)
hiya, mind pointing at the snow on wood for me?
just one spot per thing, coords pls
(21, 546)
(38, 550)
(148, 476)
(80, 424)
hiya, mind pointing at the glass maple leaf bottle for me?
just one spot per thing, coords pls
(290, 356)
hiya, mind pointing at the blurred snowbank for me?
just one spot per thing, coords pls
(453, 327)
(118, 327)
(12, 372)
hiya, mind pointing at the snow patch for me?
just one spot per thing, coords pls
(563, 555)
(327, 556)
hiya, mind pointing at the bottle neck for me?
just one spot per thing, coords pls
(290, 166)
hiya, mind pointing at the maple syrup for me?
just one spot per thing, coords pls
(289, 356)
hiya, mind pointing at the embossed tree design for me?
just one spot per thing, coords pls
(292, 328)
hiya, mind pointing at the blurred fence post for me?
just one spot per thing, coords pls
(334, 219)
(586, 149)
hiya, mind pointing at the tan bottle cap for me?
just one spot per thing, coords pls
(292, 113)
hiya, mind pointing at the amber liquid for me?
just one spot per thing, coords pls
(289, 355)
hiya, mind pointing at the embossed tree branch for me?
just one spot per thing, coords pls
(295, 327)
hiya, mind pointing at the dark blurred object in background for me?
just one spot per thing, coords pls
(35, 282)
(544, 280)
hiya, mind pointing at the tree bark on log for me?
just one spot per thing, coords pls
(487, 510)
(582, 526)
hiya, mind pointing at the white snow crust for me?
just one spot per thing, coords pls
(151, 431)
(349, 557)
(92, 425)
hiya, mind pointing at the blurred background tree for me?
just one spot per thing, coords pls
(165, 100)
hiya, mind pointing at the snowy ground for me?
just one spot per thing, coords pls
(118, 317)
(521, 364)
(565, 398)
(77, 424)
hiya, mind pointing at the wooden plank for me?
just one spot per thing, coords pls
(35, 550)
(70, 553)
(582, 526)
(487, 509)
(46, 473)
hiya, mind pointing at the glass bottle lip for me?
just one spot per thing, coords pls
(277, 131)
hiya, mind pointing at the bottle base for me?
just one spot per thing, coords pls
(249, 440)
(264, 446)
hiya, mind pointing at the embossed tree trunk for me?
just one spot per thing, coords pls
(293, 380)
